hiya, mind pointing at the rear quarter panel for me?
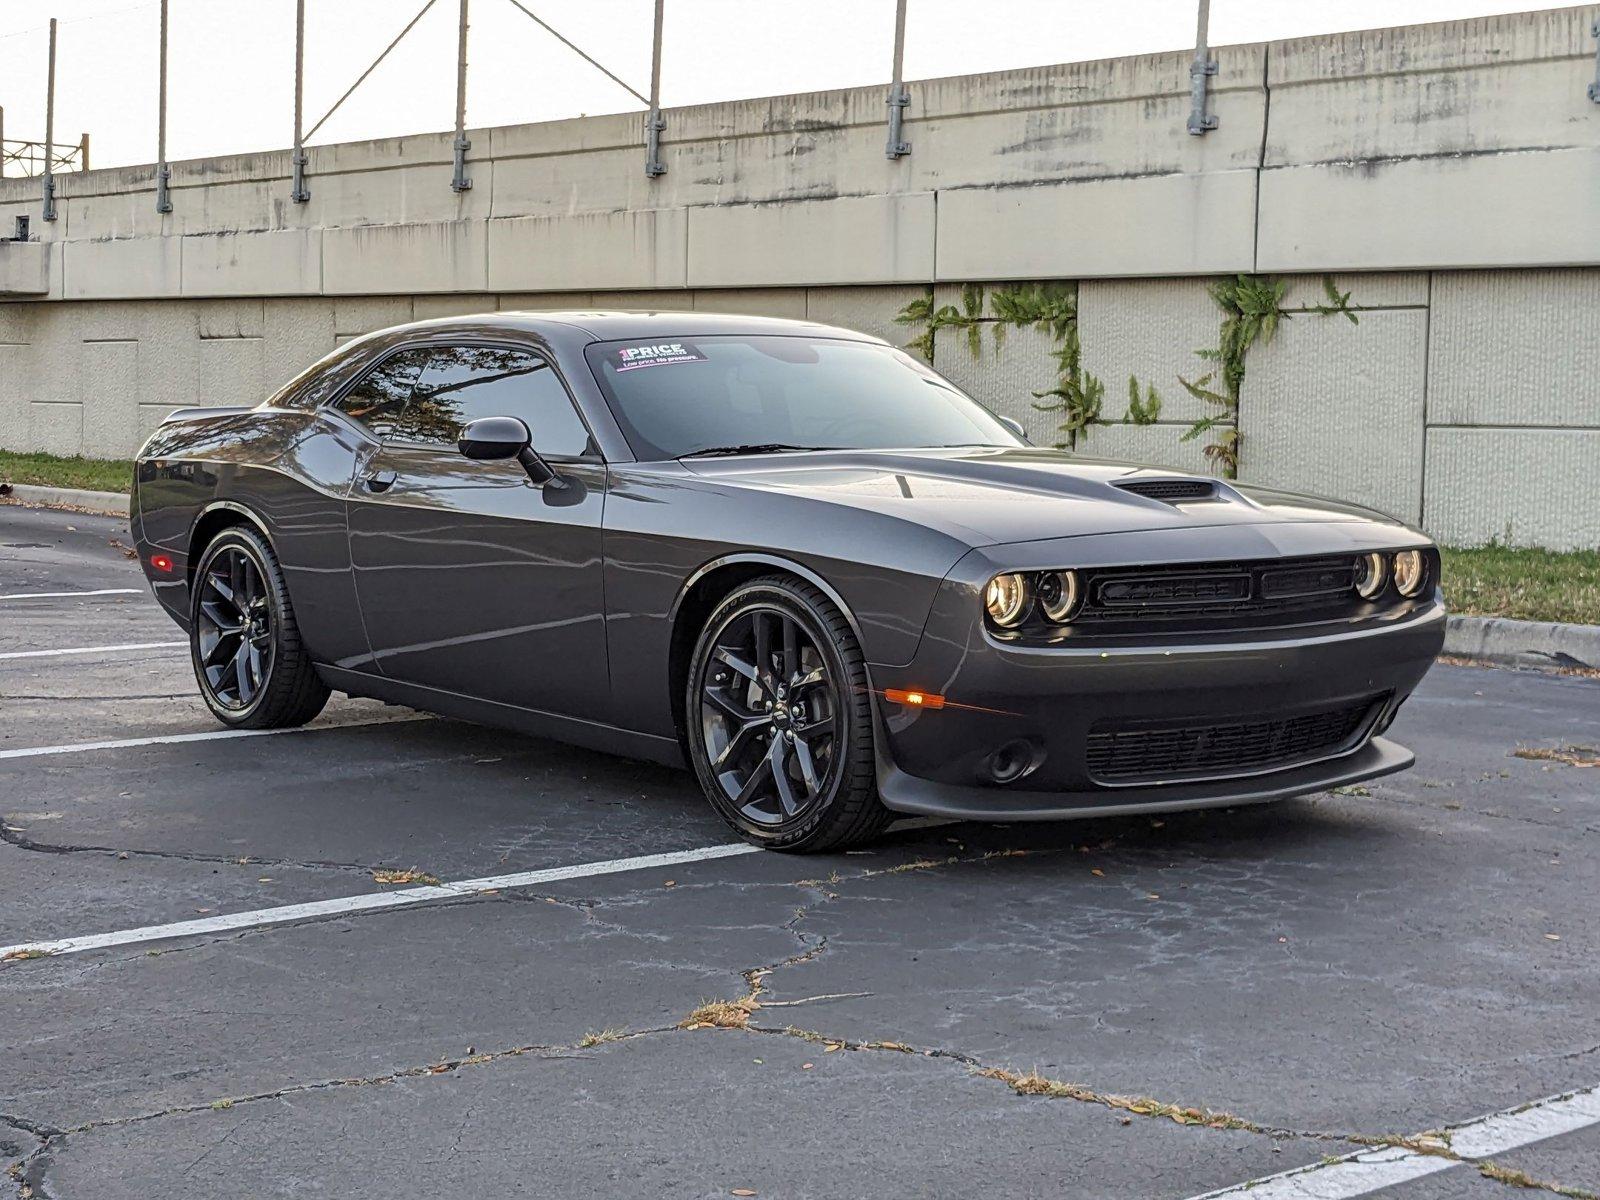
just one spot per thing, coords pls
(285, 471)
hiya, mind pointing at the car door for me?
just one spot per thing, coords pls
(472, 579)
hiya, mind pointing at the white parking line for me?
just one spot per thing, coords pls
(371, 901)
(210, 735)
(94, 649)
(1372, 1170)
(72, 595)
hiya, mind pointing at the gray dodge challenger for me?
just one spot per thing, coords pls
(791, 556)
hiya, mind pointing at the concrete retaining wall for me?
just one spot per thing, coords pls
(1450, 175)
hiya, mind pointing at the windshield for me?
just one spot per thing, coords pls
(679, 396)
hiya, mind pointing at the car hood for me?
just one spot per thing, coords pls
(991, 496)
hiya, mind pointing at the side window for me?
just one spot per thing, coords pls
(463, 383)
(379, 396)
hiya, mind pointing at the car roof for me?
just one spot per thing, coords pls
(618, 325)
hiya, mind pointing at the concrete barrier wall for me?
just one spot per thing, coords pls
(1448, 174)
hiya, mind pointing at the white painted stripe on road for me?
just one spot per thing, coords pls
(1371, 1170)
(372, 901)
(94, 649)
(210, 735)
(73, 595)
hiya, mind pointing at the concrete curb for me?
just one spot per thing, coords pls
(1543, 644)
(113, 504)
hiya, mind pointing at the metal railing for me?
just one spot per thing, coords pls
(23, 158)
(44, 158)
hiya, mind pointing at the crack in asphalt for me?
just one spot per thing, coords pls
(737, 1015)
(13, 835)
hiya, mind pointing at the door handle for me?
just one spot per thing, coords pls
(379, 481)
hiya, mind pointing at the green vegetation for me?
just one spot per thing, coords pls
(1048, 307)
(1525, 583)
(48, 470)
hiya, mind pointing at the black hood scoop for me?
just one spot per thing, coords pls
(1171, 491)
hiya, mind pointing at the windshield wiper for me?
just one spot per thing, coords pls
(753, 448)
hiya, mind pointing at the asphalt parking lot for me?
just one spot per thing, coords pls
(1143, 1008)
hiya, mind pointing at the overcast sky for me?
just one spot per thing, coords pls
(232, 61)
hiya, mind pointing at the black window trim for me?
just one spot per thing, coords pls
(331, 405)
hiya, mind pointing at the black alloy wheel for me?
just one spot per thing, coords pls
(779, 719)
(245, 645)
(233, 628)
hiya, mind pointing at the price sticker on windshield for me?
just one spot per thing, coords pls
(656, 354)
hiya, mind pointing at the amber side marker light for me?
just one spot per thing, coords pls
(913, 699)
(161, 563)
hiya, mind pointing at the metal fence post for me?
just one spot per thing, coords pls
(50, 130)
(163, 172)
(460, 182)
(2, 141)
(1201, 69)
(298, 192)
(899, 97)
(655, 123)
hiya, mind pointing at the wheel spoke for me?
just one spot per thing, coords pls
(753, 785)
(815, 677)
(738, 743)
(220, 649)
(778, 759)
(729, 706)
(255, 665)
(816, 727)
(763, 627)
(728, 658)
(241, 671)
(212, 611)
(791, 648)
(808, 767)
(220, 585)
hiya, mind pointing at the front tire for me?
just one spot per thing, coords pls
(244, 643)
(779, 720)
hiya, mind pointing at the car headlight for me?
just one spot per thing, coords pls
(1058, 595)
(1372, 573)
(1006, 599)
(1410, 572)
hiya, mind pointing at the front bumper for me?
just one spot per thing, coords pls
(1042, 703)
(909, 794)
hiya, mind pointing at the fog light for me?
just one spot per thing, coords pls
(1012, 761)
(1058, 595)
(1372, 573)
(1006, 598)
(1410, 572)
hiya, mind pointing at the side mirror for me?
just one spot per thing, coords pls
(496, 438)
(1014, 425)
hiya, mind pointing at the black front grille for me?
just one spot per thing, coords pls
(1150, 751)
(1218, 595)
(1173, 491)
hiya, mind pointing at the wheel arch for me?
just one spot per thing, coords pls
(212, 520)
(705, 589)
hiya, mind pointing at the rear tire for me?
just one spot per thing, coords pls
(244, 643)
(779, 720)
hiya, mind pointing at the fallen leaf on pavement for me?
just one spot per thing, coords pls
(411, 876)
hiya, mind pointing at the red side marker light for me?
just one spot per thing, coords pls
(162, 563)
(913, 699)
